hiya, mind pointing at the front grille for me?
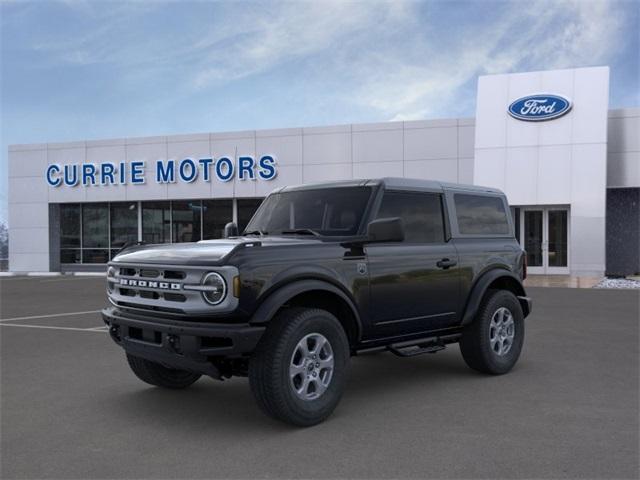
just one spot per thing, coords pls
(174, 275)
(153, 273)
(152, 295)
(175, 297)
(169, 288)
(149, 273)
(149, 294)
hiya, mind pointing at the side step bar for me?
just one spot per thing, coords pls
(424, 345)
(414, 350)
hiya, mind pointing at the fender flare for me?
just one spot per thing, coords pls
(482, 285)
(275, 300)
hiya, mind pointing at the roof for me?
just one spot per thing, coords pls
(392, 182)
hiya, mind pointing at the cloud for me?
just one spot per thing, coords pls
(398, 59)
(538, 35)
(288, 32)
(213, 42)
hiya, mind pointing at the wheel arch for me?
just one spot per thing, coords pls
(312, 293)
(495, 279)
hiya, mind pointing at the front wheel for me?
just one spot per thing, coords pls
(297, 374)
(493, 342)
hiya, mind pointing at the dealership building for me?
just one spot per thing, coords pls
(569, 165)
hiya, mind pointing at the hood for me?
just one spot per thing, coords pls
(205, 252)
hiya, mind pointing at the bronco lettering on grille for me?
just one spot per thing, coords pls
(128, 282)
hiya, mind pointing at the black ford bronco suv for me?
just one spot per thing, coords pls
(323, 272)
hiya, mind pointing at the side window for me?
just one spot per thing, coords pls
(420, 212)
(481, 215)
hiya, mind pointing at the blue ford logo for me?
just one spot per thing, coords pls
(536, 108)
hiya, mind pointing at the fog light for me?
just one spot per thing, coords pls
(216, 288)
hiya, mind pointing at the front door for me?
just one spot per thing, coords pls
(544, 234)
(414, 284)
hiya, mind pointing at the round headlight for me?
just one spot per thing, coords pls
(216, 288)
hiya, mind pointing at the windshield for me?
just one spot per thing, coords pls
(327, 212)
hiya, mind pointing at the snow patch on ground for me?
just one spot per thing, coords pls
(618, 283)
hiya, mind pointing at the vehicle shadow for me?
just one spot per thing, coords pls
(230, 405)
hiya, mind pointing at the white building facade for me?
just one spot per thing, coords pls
(570, 168)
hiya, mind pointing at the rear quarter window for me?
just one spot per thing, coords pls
(481, 215)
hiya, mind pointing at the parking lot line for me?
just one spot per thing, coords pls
(64, 279)
(52, 315)
(51, 328)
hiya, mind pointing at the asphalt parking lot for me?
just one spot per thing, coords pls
(70, 407)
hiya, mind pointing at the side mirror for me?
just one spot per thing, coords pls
(230, 230)
(385, 230)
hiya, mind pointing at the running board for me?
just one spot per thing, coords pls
(414, 350)
(418, 347)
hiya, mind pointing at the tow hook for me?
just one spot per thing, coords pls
(174, 343)
(114, 331)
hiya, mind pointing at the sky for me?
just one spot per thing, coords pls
(78, 70)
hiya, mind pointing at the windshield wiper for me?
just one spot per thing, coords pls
(301, 231)
(255, 232)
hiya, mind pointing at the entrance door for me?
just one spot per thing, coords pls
(544, 234)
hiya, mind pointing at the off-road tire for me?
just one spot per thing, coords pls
(159, 375)
(475, 343)
(269, 366)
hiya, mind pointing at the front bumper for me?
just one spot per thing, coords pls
(184, 345)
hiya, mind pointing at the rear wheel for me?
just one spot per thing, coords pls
(297, 374)
(493, 342)
(160, 376)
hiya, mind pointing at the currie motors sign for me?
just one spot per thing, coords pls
(187, 170)
(540, 107)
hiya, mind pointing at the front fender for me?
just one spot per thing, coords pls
(276, 299)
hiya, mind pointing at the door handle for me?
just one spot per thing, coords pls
(446, 263)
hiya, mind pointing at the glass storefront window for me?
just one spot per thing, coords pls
(70, 226)
(156, 222)
(186, 221)
(94, 255)
(95, 232)
(70, 255)
(124, 224)
(95, 225)
(246, 208)
(217, 213)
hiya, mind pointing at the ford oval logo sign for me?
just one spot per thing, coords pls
(536, 108)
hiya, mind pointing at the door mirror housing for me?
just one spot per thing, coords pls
(230, 230)
(385, 230)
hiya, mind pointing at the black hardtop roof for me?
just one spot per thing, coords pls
(393, 183)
